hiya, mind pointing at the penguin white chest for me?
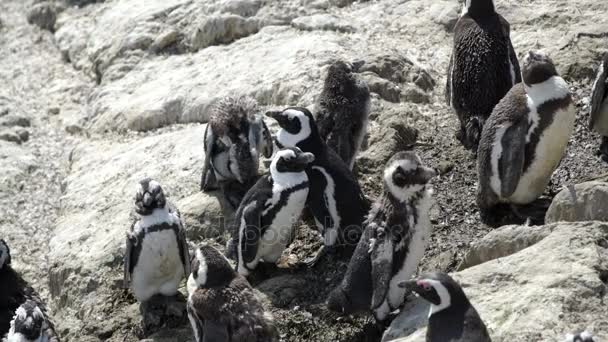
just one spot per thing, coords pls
(547, 155)
(159, 268)
(280, 232)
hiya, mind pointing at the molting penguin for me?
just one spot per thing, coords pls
(13, 296)
(269, 210)
(222, 306)
(342, 110)
(452, 317)
(395, 237)
(234, 138)
(157, 256)
(335, 198)
(482, 69)
(598, 120)
(30, 325)
(584, 336)
(525, 137)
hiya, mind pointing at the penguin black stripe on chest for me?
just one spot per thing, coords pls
(136, 251)
(272, 209)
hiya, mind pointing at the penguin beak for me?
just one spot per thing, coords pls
(429, 173)
(305, 158)
(409, 285)
(274, 114)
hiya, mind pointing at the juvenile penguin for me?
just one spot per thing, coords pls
(598, 120)
(342, 110)
(396, 233)
(15, 293)
(452, 318)
(525, 137)
(584, 336)
(30, 325)
(335, 197)
(222, 306)
(482, 69)
(269, 210)
(234, 138)
(157, 256)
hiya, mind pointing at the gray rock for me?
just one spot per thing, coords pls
(222, 29)
(43, 15)
(11, 120)
(387, 90)
(164, 40)
(243, 8)
(415, 95)
(282, 290)
(322, 22)
(10, 135)
(446, 13)
(554, 286)
(581, 202)
(204, 216)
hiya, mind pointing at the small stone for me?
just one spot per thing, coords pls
(415, 95)
(8, 135)
(14, 120)
(445, 167)
(385, 88)
(43, 15)
(74, 129)
(53, 110)
(23, 134)
(164, 39)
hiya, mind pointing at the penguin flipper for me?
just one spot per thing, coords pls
(511, 163)
(208, 181)
(448, 85)
(127, 258)
(267, 146)
(182, 244)
(215, 332)
(251, 232)
(195, 321)
(598, 93)
(381, 251)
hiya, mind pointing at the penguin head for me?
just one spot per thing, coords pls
(478, 8)
(149, 196)
(297, 125)
(439, 289)
(28, 323)
(210, 268)
(537, 67)
(342, 86)
(584, 336)
(405, 175)
(5, 254)
(290, 159)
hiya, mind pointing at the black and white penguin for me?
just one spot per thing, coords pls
(30, 324)
(396, 233)
(14, 295)
(452, 317)
(584, 336)
(222, 306)
(598, 120)
(265, 219)
(157, 257)
(234, 138)
(335, 197)
(482, 69)
(342, 110)
(525, 137)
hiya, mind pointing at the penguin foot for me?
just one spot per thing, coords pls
(533, 213)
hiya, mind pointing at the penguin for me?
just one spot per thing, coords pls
(584, 336)
(335, 198)
(342, 110)
(30, 325)
(157, 257)
(396, 233)
(15, 297)
(452, 317)
(483, 68)
(598, 117)
(269, 210)
(525, 138)
(222, 306)
(234, 138)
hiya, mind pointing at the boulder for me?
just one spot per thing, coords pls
(582, 202)
(43, 15)
(553, 287)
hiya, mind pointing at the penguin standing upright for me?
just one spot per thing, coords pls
(452, 317)
(265, 219)
(335, 197)
(482, 69)
(598, 119)
(396, 233)
(156, 257)
(525, 137)
(14, 293)
(222, 306)
(234, 138)
(30, 324)
(342, 110)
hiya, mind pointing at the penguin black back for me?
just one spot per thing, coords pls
(452, 317)
(482, 69)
